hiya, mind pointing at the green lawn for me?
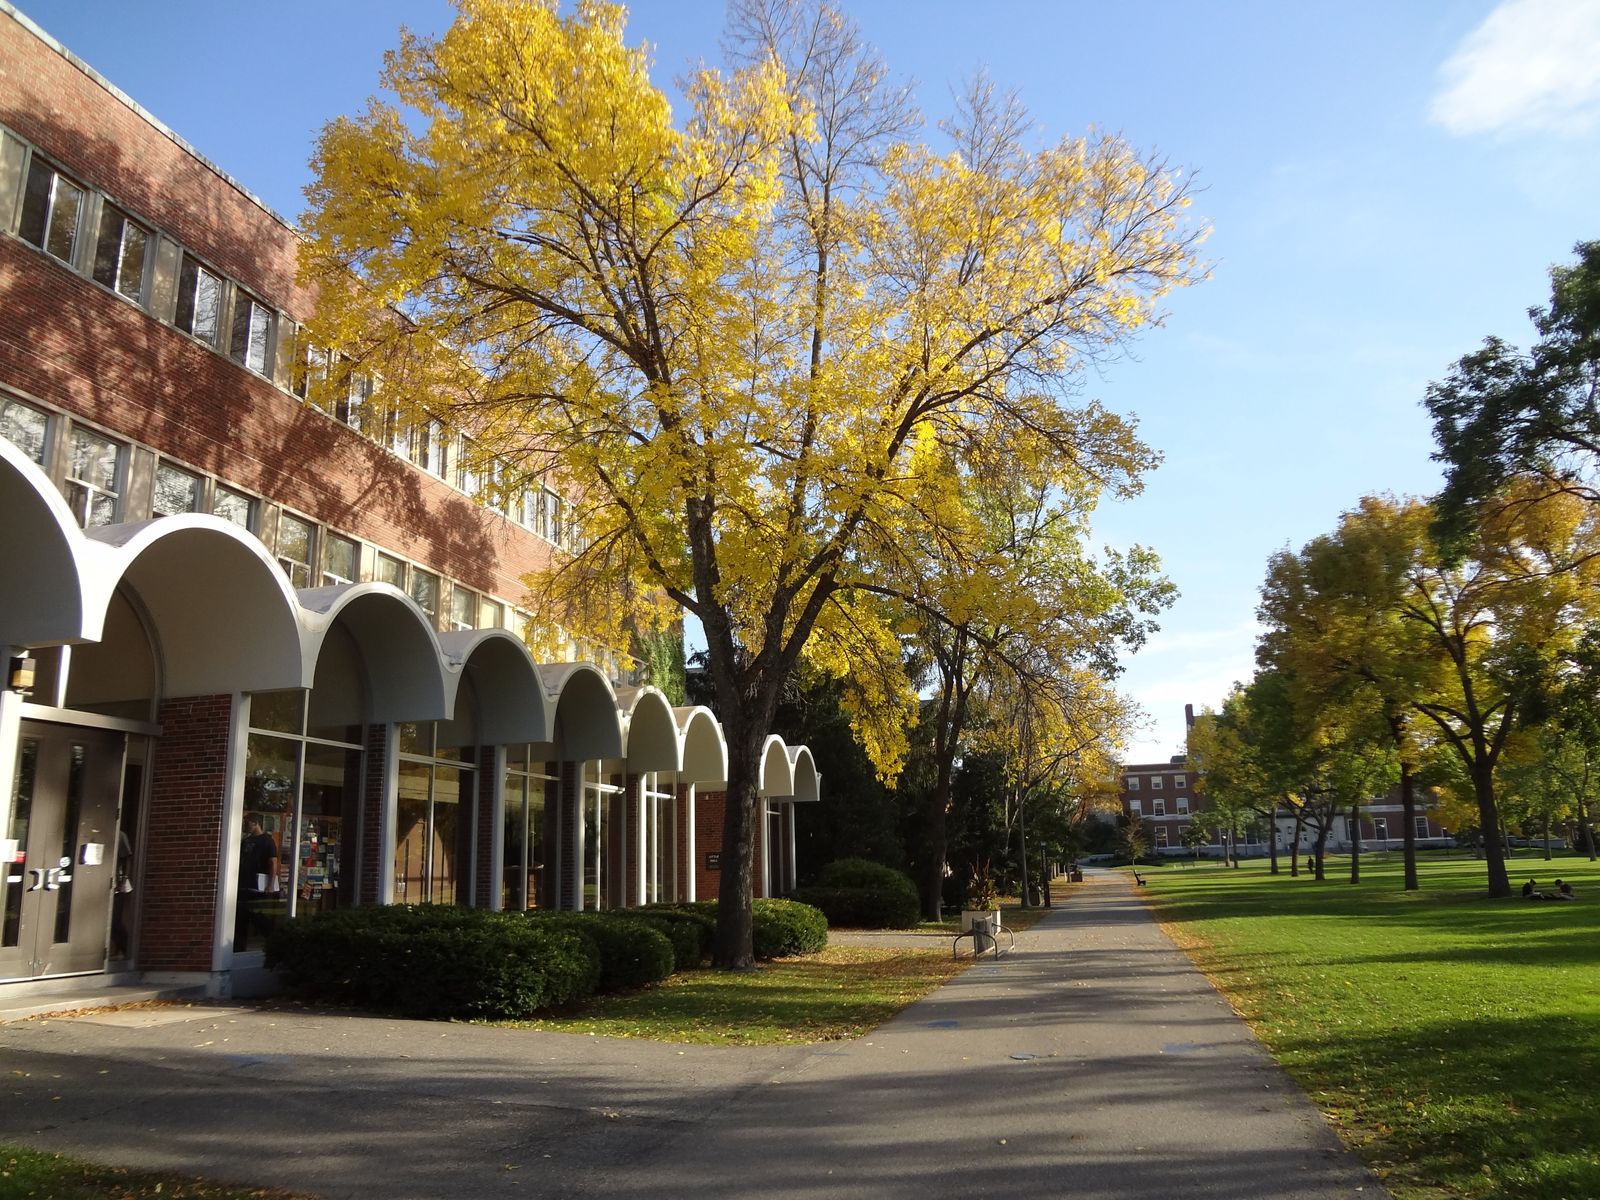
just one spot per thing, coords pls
(35, 1173)
(841, 992)
(1455, 1040)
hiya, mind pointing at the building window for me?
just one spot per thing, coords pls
(1133, 783)
(199, 302)
(1161, 837)
(94, 478)
(25, 427)
(310, 368)
(523, 881)
(1156, 782)
(252, 332)
(175, 491)
(469, 476)
(1422, 827)
(52, 209)
(1161, 807)
(1179, 781)
(431, 841)
(120, 253)
(391, 571)
(463, 608)
(1183, 805)
(233, 506)
(1380, 828)
(425, 591)
(352, 408)
(341, 560)
(296, 541)
(1134, 809)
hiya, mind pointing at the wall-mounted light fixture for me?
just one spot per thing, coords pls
(22, 672)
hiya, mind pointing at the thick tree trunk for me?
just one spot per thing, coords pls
(1547, 854)
(1355, 843)
(935, 834)
(1320, 860)
(1408, 814)
(1588, 829)
(732, 949)
(1294, 848)
(1272, 839)
(1494, 851)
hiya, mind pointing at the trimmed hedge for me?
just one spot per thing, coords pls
(779, 928)
(631, 951)
(861, 894)
(691, 933)
(433, 961)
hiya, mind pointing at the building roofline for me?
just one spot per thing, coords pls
(33, 27)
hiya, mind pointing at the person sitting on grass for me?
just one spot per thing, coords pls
(1563, 891)
(1530, 890)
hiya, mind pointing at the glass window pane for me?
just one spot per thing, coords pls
(295, 540)
(489, 614)
(340, 559)
(36, 203)
(391, 571)
(463, 608)
(207, 306)
(283, 712)
(65, 209)
(176, 491)
(233, 506)
(425, 591)
(411, 833)
(24, 427)
(448, 786)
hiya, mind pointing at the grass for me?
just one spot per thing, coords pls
(841, 992)
(1454, 1039)
(33, 1173)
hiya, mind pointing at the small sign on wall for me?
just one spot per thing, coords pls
(714, 860)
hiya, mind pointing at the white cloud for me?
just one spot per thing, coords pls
(1533, 65)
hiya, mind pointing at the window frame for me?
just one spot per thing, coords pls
(147, 258)
(188, 324)
(50, 201)
(82, 503)
(289, 565)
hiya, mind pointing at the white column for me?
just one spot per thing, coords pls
(386, 814)
(10, 741)
(641, 870)
(497, 833)
(578, 842)
(232, 833)
(766, 847)
(689, 850)
(791, 877)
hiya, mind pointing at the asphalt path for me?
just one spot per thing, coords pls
(1092, 1061)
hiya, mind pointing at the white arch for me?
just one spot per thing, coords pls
(224, 616)
(777, 773)
(405, 666)
(650, 734)
(513, 705)
(42, 587)
(587, 722)
(705, 750)
(807, 780)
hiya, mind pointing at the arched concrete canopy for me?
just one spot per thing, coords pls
(512, 703)
(587, 724)
(405, 668)
(650, 735)
(223, 614)
(777, 774)
(41, 587)
(807, 782)
(705, 751)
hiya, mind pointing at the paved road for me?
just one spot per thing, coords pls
(1093, 1062)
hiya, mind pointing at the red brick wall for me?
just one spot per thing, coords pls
(708, 820)
(182, 881)
(68, 342)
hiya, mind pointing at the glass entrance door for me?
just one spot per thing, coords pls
(58, 859)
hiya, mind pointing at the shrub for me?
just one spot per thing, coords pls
(863, 894)
(862, 907)
(433, 961)
(690, 932)
(631, 952)
(786, 927)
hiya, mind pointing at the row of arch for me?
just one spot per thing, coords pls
(227, 621)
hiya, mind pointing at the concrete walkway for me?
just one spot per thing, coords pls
(1093, 1062)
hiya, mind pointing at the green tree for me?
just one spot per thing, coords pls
(749, 331)
(1502, 413)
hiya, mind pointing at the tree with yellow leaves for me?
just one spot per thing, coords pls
(749, 333)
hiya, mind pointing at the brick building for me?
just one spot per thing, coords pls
(227, 607)
(1169, 798)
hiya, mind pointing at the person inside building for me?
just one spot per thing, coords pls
(258, 882)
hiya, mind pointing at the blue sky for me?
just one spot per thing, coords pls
(1388, 183)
